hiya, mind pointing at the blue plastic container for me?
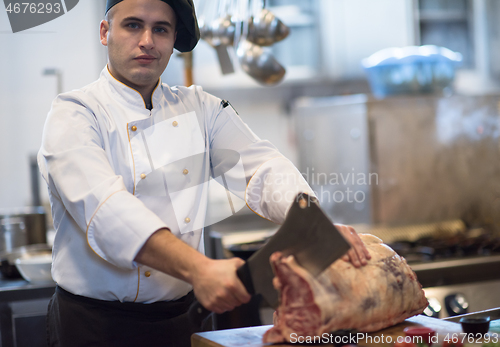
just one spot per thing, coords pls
(411, 70)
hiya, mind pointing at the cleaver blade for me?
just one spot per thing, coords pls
(308, 235)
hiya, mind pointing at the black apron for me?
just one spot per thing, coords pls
(74, 321)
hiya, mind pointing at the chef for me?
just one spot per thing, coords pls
(130, 162)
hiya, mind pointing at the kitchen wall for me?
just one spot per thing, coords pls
(354, 29)
(349, 31)
(69, 43)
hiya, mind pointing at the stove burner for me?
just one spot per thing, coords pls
(456, 304)
(461, 245)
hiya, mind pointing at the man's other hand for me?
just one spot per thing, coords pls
(358, 255)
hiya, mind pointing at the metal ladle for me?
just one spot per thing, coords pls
(259, 63)
(266, 29)
(220, 34)
(263, 30)
(256, 61)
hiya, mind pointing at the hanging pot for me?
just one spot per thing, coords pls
(20, 228)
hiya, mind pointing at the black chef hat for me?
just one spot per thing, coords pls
(188, 32)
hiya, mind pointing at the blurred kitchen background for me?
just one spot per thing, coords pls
(405, 146)
(322, 56)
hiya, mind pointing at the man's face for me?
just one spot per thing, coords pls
(140, 37)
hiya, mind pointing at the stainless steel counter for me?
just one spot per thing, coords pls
(19, 290)
(23, 307)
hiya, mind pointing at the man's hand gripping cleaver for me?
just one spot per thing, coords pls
(307, 234)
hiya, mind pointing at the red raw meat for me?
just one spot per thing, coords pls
(381, 294)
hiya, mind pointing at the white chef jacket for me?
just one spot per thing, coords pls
(117, 172)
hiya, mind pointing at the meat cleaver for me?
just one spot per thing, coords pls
(307, 234)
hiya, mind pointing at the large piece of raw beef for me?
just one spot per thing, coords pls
(380, 294)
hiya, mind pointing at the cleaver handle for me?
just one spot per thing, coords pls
(245, 277)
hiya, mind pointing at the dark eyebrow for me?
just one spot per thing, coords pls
(135, 19)
(168, 24)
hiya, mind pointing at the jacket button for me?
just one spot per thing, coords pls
(175, 123)
(147, 274)
(187, 220)
(134, 128)
(143, 176)
(185, 171)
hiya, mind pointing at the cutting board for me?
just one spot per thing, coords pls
(252, 337)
